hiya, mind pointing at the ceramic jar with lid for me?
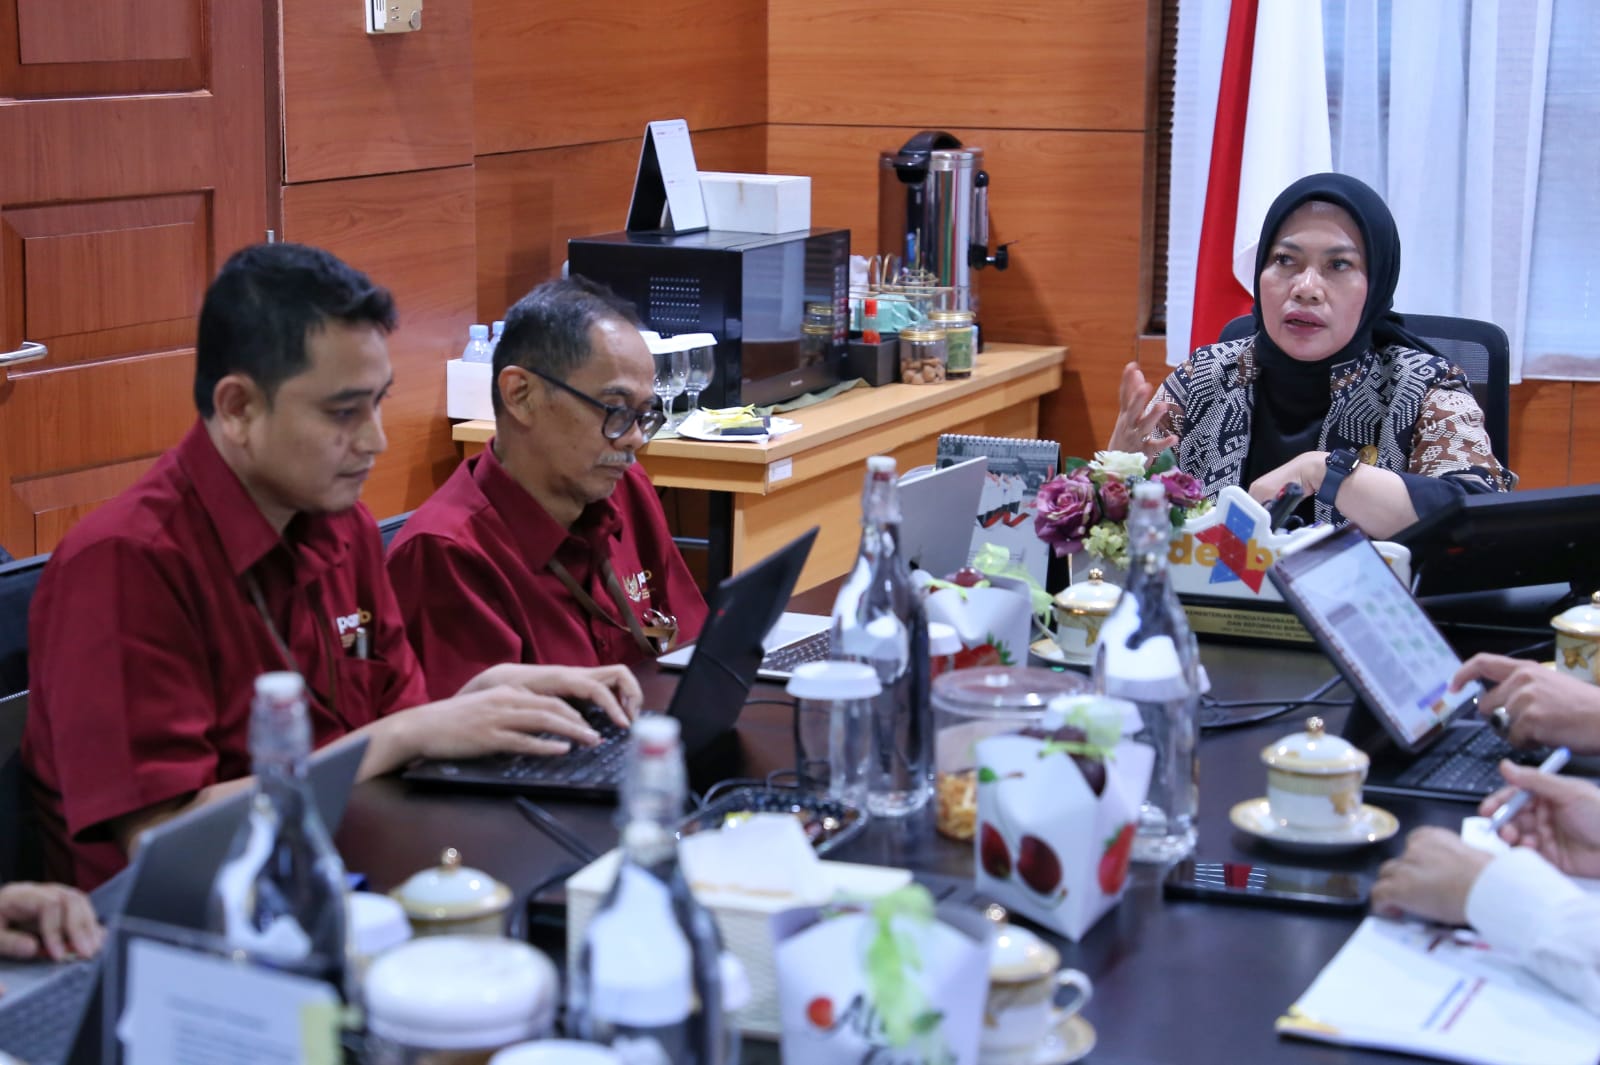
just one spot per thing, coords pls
(971, 704)
(1080, 610)
(1314, 779)
(1578, 640)
(456, 1000)
(452, 898)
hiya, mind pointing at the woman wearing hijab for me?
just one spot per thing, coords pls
(1331, 392)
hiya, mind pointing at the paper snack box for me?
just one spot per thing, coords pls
(1048, 846)
(857, 986)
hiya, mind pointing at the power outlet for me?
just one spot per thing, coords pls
(393, 16)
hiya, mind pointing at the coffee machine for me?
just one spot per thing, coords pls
(933, 216)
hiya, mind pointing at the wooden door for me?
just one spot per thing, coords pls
(134, 139)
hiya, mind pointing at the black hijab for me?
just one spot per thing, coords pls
(1292, 397)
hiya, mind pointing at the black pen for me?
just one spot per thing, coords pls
(541, 819)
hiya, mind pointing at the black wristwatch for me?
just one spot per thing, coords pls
(1340, 463)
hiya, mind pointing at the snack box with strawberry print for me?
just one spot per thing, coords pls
(1050, 845)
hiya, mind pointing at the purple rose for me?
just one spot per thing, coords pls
(1182, 490)
(1064, 510)
(1114, 497)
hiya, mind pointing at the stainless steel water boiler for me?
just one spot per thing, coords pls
(933, 215)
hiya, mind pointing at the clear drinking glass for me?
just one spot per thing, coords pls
(702, 367)
(672, 378)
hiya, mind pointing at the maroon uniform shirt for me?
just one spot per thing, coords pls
(145, 641)
(471, 570)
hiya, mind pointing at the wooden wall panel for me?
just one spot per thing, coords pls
(1585, 448)
(413, 233)
(1542, 432)
(354, 104)
(1014, 64)
(568, 73)
(89, 47)
(530, 203)
(1071, 200)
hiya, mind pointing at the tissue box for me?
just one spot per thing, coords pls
(466, 389)
(744, 922)
(876, 364)
(1047, 847)
(756, 203)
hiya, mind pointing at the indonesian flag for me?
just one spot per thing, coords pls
(1271, 127)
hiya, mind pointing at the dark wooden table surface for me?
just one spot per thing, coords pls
(1175, 981)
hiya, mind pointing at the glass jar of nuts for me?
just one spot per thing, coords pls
(973, 704)
(923, 355)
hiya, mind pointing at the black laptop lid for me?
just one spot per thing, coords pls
(1376, 634)
(728, 652)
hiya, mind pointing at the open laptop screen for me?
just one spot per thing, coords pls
(1376, 634)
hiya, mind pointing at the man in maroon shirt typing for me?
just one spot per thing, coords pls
(241, 551)
(551, 545)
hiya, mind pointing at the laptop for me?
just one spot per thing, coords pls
(931, 539)
(1424, 740)
(707, 701)
(50, 1012)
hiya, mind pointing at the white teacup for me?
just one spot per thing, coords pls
(1024, 977)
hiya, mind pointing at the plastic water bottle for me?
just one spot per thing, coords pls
(477, 349)
(649, 974)
(279, 898)
(1148, 655)
(494, 337)
(878, 618)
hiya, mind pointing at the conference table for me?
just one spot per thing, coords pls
(1178, 981)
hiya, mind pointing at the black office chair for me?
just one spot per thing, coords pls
(389, 528)
(17, 583)
(20, 855)
(1481, 349)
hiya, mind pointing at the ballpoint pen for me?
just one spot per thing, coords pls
(1514, 805)
(541, 819)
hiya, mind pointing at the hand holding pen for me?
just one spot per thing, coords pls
(1559, 816)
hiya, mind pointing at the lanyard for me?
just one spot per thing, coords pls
(289, 660)
(653, 641)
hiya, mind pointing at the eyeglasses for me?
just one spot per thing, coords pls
(618, 419)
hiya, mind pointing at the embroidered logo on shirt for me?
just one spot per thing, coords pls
(637, 586)
(351, 624)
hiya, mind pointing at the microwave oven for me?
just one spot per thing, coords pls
(778, 304)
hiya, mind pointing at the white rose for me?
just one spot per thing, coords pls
(1128, 465)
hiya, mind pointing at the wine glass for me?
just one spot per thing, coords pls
(702, 367)
(672, 377)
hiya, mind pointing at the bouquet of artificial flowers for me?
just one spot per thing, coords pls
(1085, 508)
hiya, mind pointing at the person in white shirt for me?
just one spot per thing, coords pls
(1521, 901)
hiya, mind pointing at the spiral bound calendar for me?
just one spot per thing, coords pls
(1017, 468)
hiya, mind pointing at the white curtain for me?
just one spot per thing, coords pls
(1475, 120)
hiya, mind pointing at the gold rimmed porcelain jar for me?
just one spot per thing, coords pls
(1080, 610)
(1314, 779)
(1578, 640)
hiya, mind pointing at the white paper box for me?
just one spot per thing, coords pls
(828, 1014)
(756, 203)
(1047, 847)
(744, 922)
(466, 389)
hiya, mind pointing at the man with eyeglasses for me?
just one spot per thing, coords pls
(551, 544)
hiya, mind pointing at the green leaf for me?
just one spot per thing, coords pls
(1073, 463)
(1163, 462)
(927, 1021)
(987, 775)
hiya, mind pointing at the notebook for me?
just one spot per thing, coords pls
(933, 537)
(706, 702)
(1004, 514)
(50, 1012)
(1424, 740)
(1440, 993)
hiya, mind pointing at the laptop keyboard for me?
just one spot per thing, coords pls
(813, 648)
(1468, 766)
(37, 1024)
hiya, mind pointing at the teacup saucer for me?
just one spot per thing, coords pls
(1071, 1040)
(1372, 825)
(1051, 652)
